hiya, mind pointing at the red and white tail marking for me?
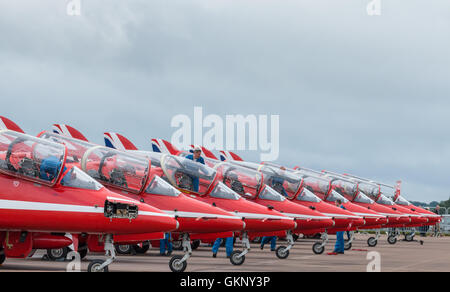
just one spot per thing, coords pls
(397, 189)
(118, 141)
(228, 155)
(68, 131)
(163, 146)
(7, 124)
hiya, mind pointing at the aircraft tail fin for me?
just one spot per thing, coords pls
(117, 141)
(208, 153)
(397, 189)
(69, 131)
(163, 146)
(228, 155)
(7, 124)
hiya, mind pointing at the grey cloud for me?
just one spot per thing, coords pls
(360, 94)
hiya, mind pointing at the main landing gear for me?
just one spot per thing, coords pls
(110, 252)
(178, 263)
(282, 252)
(237, 257)
(319, 247)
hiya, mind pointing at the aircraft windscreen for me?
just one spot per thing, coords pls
(270, 194)
(221, 191)
(76, 178)
(362, 198)
(117, 169)
(402, 201)
(30, 157)
(284, 182)
(336, 196)
(308, 196)
(244, 181)
(385, 200)
(187, 174)
(158, 186)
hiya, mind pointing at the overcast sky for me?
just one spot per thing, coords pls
(368, 95)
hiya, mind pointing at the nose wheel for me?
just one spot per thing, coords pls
(95, 266)
(392, 239)
(178, 263)
(319, 247)
(110, 252)
(282, 252)
(237, 257)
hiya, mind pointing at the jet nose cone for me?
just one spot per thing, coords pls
(154, 220)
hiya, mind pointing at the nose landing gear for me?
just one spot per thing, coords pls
(319, 247)
(100, 265)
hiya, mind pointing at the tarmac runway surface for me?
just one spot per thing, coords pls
(432, 256)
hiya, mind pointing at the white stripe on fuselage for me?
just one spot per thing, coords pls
(199, 215)
(38, 206)
(305, 216)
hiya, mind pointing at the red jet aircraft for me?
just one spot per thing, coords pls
(42, 194)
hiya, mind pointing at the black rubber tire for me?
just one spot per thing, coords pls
(142, 250)
(408, 237)
(123, 248)
(2, 256)
(175, 266)
(95, 264)
(392, 239)
(83, 251)
(235, 260)
(281, 253)
(195, 244)
(372, 242)
(58, 253)
(317, 248)
(348, 246)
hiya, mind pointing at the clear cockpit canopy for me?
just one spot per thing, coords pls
(318, 185)
(334, 196)
(244, 181)
(75, 147)
(221, 191)
(371, 190)
(117, 169)
(270, 194)
(31, 158)
(76, 178)
(159, 186)
(402, 201)
(187, 175)
(345, 188)
(308, 196)
(383, 200)
(284, 182)
(362, 198)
